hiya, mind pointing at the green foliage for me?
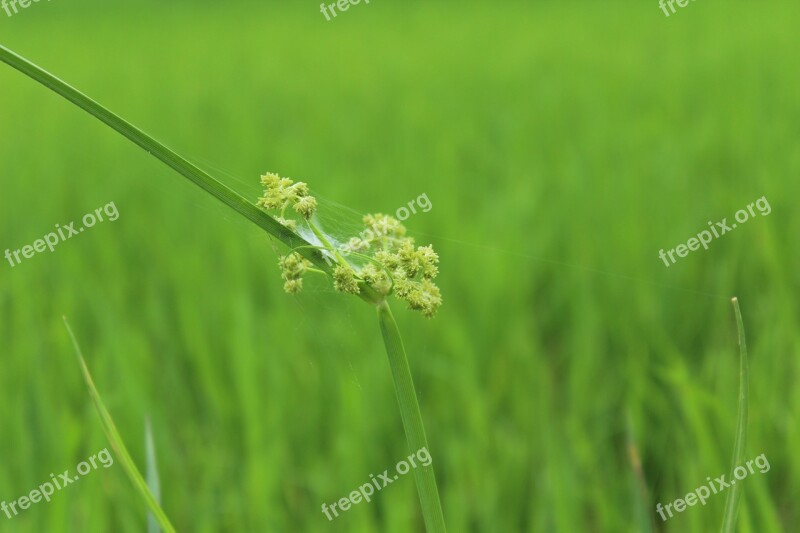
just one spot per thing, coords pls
(740, 442)
(114, 437)
(562, 146)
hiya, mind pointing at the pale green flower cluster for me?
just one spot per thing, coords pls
(281, 193)
(381, 257)
(293, 266)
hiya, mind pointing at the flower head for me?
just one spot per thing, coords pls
(381, 228)
(305, 206)
(344, 280)
(293, 266)
(382, 257)
(399, 266)
(281, 193)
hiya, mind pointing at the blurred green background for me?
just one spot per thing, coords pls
(562, 145)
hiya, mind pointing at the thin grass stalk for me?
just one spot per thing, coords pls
(412, 419)
(153, 482)
(117, 443)
(643, 517)
(175, 161)
(732, 499)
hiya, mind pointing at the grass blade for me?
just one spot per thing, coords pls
(412, 419)
(193, 173)
(732, 500)
(152, 474)
(640, 492)
(117, 443)
(199, 177)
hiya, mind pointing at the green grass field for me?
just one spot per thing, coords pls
(562, 145)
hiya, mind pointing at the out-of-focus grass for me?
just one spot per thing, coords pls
(561, 145)
(117, 442)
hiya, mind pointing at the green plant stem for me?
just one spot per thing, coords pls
(151, 475)
(325, 242)
(197, 176)
(732, 499)
(412, 419)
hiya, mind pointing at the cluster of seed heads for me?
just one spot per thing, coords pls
(281, 193)
(384, 258)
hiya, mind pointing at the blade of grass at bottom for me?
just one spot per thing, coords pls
(117, 443)
(732, 500)
(412, 419)
(152, 474)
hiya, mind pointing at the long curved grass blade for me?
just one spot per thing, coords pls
(732, 500)
(412, 419)
(117, 443)
(175, 161)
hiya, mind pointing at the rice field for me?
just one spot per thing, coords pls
(571, 381)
